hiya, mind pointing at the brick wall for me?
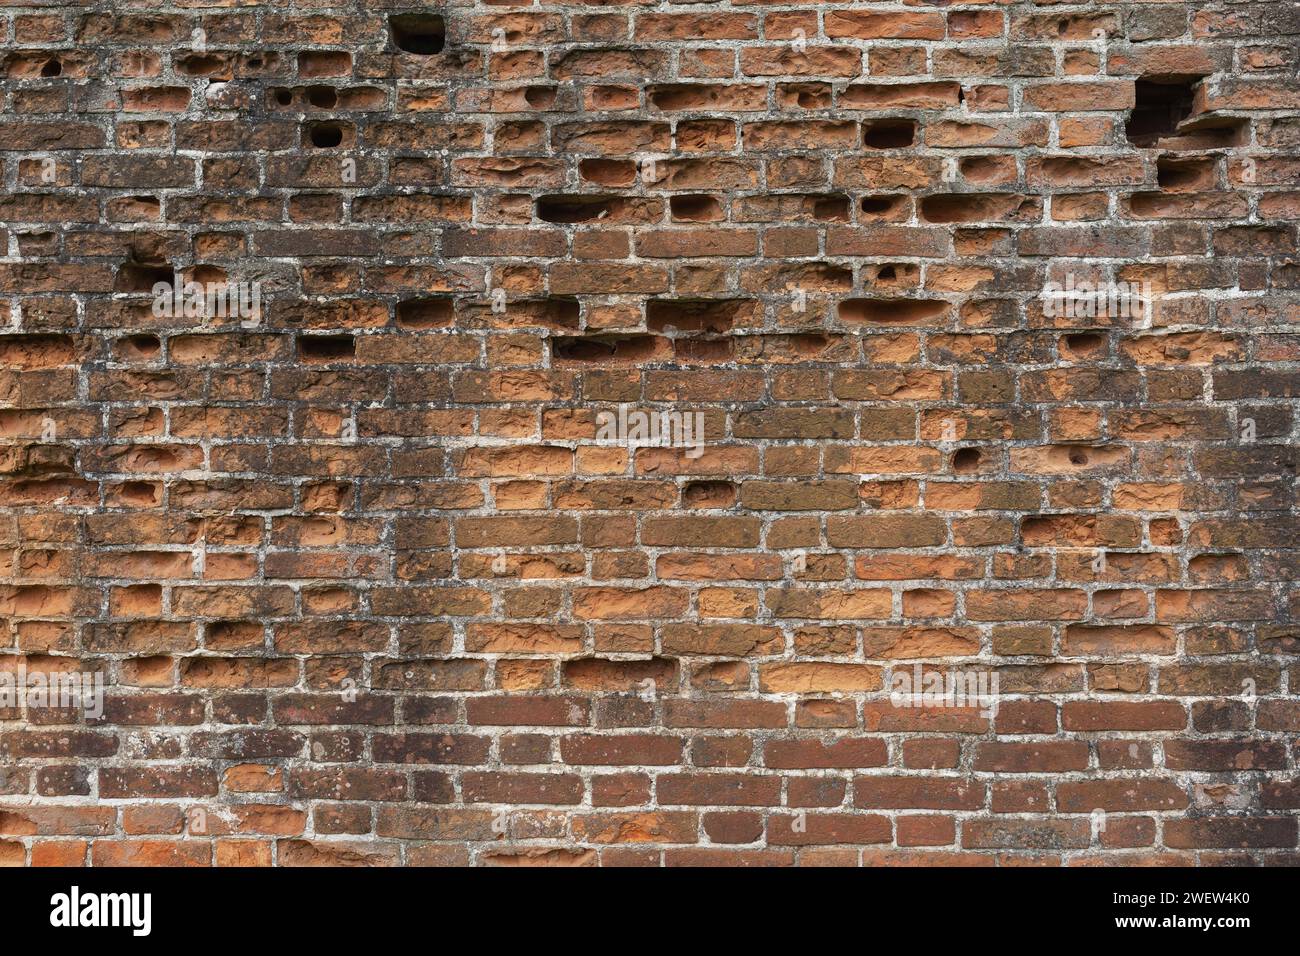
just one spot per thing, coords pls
(326, 327)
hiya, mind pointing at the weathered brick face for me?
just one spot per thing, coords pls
(328, 330)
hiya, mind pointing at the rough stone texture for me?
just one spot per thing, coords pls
(366, 588)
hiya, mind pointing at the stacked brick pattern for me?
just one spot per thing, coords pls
(367, 589)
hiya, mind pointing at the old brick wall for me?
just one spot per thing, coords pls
(364, 580)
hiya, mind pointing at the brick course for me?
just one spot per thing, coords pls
(367, 585)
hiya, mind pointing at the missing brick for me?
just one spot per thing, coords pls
(708, 316)
(1159, 106)
(696, 208)
(573, 209)
(609, 349)
(142, 277)
(425, 313)
(889, 133)
(327, 348)
(830, 208)
(422, 34)
(893, 311)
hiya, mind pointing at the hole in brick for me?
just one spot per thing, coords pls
(201, 64)
(831, 208)
(889, 133)
(1085, 343)
(813, 96)
(626, 348)
(608, 172)
(540, 97)
(1077, 456)
(326, 348)
(423, 34)
(892, 311)
(282, 96)
(710, 316)
(322, 97)
(695, 208)
(965, 460)
(137, 277)
(569, 209)
(425, 313)
(140, 493)
(709, 494)
(141, 346)
(324, 63)
(325, 135)
(897, 274)
(1159, 106)
(883, 207)
(1184, 175)
(969, 207)
(30, 64)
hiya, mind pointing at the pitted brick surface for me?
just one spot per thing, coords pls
(366, 583)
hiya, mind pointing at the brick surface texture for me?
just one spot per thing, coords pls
(366, 583)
